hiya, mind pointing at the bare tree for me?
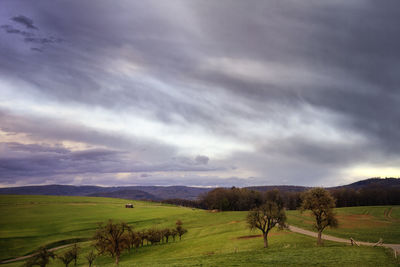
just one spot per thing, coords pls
(41, 258)
(266, 217)
(66, 258)
(91, 257)
(321, 204)
(154, 236)
(112, 239)
(143, 237)
(167, 234)
(74, 252)
(135, 239)
(174, 233)
(180, 230)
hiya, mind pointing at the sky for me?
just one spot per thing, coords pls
(199, 93)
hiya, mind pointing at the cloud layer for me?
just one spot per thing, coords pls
(197, 93)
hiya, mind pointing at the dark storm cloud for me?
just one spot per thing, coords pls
(43, 41)
(33, 37)
(10, 29)
(36, 49)
(27, 22)
(224, 62)
(42, 161)
(201, 159)
(56, 131)
(35, 148)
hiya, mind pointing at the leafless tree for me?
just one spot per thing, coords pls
(91, 257)
(112, 239)
(66, 258)
(41, 258)
(266, 217)
(179, 228)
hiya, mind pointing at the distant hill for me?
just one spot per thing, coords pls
(127, 192)
(154, 192)
(168, 192)
(171, 192)
(374, 182)
(287, 188)
(367, 183)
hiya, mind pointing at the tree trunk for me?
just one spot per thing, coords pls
(116, 260)
(319, 240)
(265, 235)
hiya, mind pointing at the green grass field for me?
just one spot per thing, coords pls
(362, 223)
(214, 239)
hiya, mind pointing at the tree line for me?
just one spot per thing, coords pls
(238, 199)
(242, 199)
(368, 196)
(111, 239)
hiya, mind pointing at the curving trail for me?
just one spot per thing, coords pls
(395, 247)
(31, 255)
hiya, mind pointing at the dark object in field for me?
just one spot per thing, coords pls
(129, 206)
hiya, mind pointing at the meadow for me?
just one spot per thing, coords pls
(365, 223)
(214, 239)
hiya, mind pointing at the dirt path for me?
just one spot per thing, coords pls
(395, 247)
(31, 255)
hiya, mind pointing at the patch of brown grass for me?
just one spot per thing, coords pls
(359, 221)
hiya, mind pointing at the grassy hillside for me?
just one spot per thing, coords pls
(214, 239)
(362, 223)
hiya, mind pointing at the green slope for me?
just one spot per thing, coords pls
(214, 239)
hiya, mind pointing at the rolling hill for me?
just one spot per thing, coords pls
(171, 192)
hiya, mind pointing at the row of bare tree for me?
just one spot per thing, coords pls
(111, 239)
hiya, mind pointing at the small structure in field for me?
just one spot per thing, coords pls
(129, 206)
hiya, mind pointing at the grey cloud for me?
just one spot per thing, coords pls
(36, 49)
(27, 22)
(349, 48)
(201, 159)
(36, 148)
(20, 161)
(43, 41)
(10, 29)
